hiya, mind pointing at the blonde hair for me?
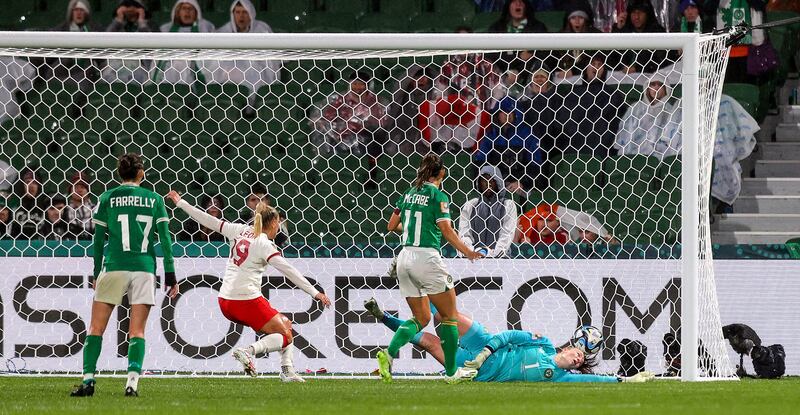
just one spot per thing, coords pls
(264, 214)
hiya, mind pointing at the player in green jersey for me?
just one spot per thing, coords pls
(422, 214)
(129, 217)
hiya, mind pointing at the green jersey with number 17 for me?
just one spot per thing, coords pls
(131, 216)
(420, 211)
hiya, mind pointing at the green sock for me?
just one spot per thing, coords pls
(403, 335)
(91, 352)
(448, 333)
(135, 354)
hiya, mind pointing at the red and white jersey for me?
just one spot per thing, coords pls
(250, 255)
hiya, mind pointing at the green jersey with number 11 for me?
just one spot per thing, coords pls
(420, 211)
(131, 216)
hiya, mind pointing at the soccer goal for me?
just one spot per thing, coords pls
(596, 151)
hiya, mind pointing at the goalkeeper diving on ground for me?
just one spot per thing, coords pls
(514, 355)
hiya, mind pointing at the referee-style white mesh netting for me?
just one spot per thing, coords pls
(565, 164)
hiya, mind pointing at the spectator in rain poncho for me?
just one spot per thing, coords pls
(15, 74)
(655, 130)
(251, 74)
(186, 18)
(734, 141)
(489, 220)
(651, 126)
(129, 16)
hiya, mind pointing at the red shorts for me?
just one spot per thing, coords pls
(254, 313)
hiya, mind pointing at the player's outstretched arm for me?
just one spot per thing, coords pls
(451, 236)
(298, 279)
(584, 378)
(198, 215)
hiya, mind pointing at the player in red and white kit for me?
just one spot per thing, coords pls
(240, 296)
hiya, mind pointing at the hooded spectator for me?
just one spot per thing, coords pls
(186, 17)
(641, 18)
(84, 72)
(251, 74)
(78, 19)
(578, 18)
(691, 19)
(518, 16)
(489, 220)
(651, 126)
(129, 16)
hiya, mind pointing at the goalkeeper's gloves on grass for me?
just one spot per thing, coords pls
(479, 359)
(639, 377)
(392, 271)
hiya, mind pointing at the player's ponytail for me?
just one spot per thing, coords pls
(431, 166)
(128, 166)
(264, 214)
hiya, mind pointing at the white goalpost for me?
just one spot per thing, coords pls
(622, 131)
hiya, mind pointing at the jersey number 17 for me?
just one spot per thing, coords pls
(126, 231)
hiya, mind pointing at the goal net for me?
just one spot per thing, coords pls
(584, 172)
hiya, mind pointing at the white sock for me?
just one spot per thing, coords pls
(270, 343)
(287, 353)
(133, 381)
(88, 376)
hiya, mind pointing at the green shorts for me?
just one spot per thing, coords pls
(110, 287)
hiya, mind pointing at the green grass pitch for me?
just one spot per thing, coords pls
(24, 395)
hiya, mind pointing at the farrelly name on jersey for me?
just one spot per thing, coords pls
(416, 199)
(136, 201)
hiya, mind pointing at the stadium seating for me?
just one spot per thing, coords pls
(400, 9)
(554, 20)
(463, 8)
(437, 23)
(482, 21)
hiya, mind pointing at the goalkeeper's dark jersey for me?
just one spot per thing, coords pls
(130, 217)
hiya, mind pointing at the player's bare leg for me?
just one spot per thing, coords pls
(136, 347)
(278, 337)
(101, 312)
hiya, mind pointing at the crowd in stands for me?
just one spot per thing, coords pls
(514, 113)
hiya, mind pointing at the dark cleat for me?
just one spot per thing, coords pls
(85, 389)
(372, 306)
(129, 391)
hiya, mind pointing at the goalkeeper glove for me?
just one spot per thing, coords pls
(640, 377)
(479, 359)
(393, 269)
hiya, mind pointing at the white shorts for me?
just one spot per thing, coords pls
(421, 272)
(110, 287)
